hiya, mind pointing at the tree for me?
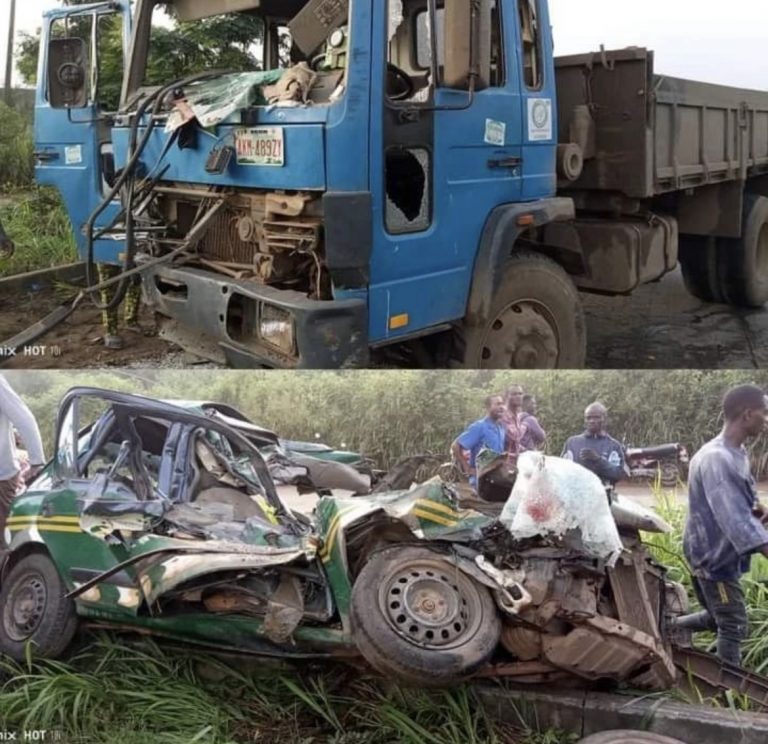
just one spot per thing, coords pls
(177, 49)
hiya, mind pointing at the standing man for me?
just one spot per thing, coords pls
(14, 413)
(595, 449)
(488, 433)
(534, 435)
(515, 430)
(725, 522)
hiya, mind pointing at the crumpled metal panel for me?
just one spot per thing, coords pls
(606, 648)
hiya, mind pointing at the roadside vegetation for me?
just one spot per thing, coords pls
(390, 414)
(115, 692)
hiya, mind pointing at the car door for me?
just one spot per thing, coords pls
(80, 47)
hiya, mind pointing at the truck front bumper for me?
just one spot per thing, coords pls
(225, 320)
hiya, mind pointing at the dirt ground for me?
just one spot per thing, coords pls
(659, 327)
(78, 341)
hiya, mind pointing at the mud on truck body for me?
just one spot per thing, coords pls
(162, 519)
(422, 176)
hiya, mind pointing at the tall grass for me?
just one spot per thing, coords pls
(38, 224)
(16, 147)
(125, 694)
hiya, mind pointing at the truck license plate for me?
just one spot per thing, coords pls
(260, 146)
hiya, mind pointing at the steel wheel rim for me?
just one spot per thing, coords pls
(522, 336)
(25, 608)
(429, 605)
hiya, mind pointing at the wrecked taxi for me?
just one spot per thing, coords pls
(165, 520)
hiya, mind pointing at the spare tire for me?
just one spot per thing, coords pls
(418, 618)
(624, 736)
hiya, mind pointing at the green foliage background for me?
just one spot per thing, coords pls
(388, 414)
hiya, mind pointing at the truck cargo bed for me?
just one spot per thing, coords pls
(654, 134)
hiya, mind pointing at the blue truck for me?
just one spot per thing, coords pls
(410, 179)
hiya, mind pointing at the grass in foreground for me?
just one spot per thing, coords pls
(132, 694)
(38, 224)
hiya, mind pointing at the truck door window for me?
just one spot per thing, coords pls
(423, 43)
(530, 35)
(104, 57)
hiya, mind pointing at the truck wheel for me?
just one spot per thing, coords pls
(419, 619)
(33, 609)
(536, 321)
(698, 261)
(744, 262)
(625, 736)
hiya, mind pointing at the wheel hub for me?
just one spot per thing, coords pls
(523, 336)
(25, 608)
(427, 607)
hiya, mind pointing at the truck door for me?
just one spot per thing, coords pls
(82, 54)
(445, 158)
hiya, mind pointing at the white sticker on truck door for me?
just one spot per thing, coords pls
(540, 119)
(73, 154)
(495, 133)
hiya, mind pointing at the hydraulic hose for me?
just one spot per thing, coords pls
(127, 177)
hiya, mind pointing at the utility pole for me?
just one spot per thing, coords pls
(9, 54)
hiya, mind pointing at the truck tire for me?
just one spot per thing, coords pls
(744, 262)
(699, 264)
(34, 610)
(418, 619)
(536, 321)
(625, 736)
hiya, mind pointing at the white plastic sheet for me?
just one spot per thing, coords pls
(553, 497)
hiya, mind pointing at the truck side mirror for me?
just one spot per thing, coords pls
(467, 44)
(67, 73)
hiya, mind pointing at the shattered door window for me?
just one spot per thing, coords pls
(408, 189)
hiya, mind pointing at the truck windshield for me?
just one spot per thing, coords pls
(177, 39)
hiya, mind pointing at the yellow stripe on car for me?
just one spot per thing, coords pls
(41, 520)
(325, 552)
(428, 517)
(438, 507)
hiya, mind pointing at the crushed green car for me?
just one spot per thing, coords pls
(166, 520)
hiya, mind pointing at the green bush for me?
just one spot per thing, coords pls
(40, 228)
(16, 148)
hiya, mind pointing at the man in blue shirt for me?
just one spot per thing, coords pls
(725, 522)
(595, 449)
(487, 433)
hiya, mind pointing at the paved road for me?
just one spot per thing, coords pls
(661, 326)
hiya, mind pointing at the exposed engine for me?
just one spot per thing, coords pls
(269, 237)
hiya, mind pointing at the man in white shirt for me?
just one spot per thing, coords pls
(14, 413)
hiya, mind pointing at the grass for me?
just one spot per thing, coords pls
(39, 226)
(111, 693)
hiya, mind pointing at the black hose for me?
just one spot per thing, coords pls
(127, 175)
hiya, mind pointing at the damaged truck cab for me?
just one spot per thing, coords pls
(409, 174)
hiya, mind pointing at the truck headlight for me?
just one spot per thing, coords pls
(276, 328)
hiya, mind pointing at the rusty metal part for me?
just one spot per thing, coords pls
(637, 586)
(528, 672)
(285, 610)
(607, 648)
(524, 644)
(272, 237)
(710, 676)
